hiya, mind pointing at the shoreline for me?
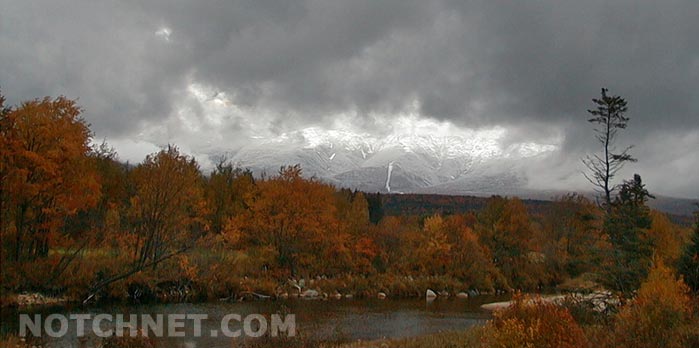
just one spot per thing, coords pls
(32, 299)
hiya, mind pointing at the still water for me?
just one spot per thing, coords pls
(345, 320)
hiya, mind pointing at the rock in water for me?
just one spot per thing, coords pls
(429, 294)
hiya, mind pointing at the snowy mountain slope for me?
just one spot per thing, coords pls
(395, 163)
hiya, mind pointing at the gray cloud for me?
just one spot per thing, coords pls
(529, 66)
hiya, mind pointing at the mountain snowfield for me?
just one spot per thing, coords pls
(470, 162)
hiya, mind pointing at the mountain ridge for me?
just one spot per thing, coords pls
(474, 164)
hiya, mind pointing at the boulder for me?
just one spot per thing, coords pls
(310, 293)
(381, 295)
(462, 295)
(429, 294)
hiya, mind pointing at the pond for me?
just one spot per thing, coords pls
(344, 320)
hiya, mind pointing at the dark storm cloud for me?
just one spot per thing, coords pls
(530, 66)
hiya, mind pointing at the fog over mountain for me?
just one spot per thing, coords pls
(475, 95)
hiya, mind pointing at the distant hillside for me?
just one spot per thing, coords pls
(428, 204)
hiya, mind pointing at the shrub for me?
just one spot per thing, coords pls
(659, 316)
(533, 323)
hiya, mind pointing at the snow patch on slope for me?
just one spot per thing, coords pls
(388, 176)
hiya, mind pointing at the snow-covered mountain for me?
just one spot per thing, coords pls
(470, 162)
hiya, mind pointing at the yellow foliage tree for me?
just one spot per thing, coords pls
(505, 229)
(660, 314)
(435, 249)
(667, 238)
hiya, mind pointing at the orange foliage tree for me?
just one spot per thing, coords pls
(225, 188)
(533, 323)
(296, 218)
(168, 205)
(470, 261)
(45, 172)
(165, 215)
(353, 216)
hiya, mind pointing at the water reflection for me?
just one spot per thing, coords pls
(346, 320)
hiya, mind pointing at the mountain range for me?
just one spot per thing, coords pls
(468, 164)
(396, 163)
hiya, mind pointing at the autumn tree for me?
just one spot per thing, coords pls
(435, 248)
(45, 172)
(392, 235)
(532, 323)
(225, 188)
(353, 215)
(469, 261)
(659, 315)
(295, 217)
(103, 220)
(168, 205)
(627, 228)
(667, 238)
(165, 214)
(608, 117)
(505, 229)
(570, 234)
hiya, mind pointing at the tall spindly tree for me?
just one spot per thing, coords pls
(609, 118)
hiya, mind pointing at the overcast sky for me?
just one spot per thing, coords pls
(211, 75)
